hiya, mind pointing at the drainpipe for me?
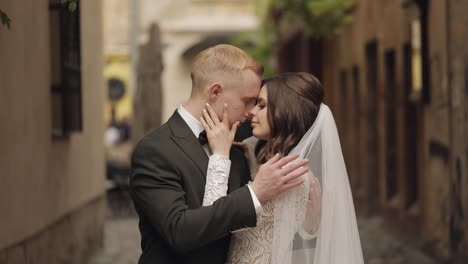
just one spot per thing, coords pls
(133, 41)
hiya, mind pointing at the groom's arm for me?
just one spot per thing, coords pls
(157, 192)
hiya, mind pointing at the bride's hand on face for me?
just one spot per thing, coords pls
(220, 136)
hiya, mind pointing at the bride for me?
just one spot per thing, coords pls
(312, 223)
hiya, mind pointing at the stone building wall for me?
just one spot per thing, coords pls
(406, 153)
(52, 189)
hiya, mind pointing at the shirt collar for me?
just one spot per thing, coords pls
(195, 125)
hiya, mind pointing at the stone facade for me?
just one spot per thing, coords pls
(70, 240)
(52, 185)
(405, 148)
(396, 79)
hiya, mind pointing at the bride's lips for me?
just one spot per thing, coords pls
(253, 123)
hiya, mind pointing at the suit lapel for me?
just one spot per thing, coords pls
(186, 140)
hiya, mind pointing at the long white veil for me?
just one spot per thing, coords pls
(337, 239)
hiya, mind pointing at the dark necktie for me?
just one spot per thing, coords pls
(202, 138)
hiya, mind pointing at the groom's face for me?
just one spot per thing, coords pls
(240, 97)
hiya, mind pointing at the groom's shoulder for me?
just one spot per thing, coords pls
(154, 140)
(158, 134)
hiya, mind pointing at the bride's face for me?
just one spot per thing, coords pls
(259, 116)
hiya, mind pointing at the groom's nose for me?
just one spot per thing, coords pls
(249, 115)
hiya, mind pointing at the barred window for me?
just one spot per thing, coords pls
(65, 69)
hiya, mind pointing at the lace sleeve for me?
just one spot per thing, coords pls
(312, 208)
(216, 179)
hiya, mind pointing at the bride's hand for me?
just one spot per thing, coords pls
(220, 137)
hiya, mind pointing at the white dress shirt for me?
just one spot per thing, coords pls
(197, 127)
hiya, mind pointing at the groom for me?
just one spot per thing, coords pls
(169, 167)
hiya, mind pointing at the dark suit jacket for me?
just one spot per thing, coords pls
(167, 185)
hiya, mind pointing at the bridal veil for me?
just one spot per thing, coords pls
(336, 241)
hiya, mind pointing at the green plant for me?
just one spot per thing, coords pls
(316, 17)
(258, 45)
(71, 4)
(278, 18)
(6, 21)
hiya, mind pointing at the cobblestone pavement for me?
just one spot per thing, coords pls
(122, 241)
(380, 247)
(121, 235)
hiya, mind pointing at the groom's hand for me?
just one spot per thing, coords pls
(278, 175)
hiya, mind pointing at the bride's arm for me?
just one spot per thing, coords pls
(216, 179)
(314, 208)
(218, 172)
(220, 139)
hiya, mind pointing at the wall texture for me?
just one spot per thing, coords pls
(44, 181)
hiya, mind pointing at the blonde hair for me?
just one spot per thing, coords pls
(219, 60)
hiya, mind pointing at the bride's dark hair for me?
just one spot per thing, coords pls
(293, 104)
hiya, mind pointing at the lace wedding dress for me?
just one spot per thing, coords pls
(251, 245)
(287, 231)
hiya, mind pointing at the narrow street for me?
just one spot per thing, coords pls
(121, 235)
(122, 241)
(380, 247)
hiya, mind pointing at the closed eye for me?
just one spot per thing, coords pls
(249, 101)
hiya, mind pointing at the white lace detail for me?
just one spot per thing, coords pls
(254, 245)
(217, 178)
(336, 233)
(337, 237)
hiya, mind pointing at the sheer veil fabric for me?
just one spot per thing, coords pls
(336, 241)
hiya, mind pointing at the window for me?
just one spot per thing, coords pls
(412, 135)
(416, 58)
(391, 126)
(65, 70)
(371, 140)
(343, 101)
(466, 76)
(418, 13)
(355, 109)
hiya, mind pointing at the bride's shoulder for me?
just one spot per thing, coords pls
(250, 142)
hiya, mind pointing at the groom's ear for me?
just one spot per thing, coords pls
(214, 91)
